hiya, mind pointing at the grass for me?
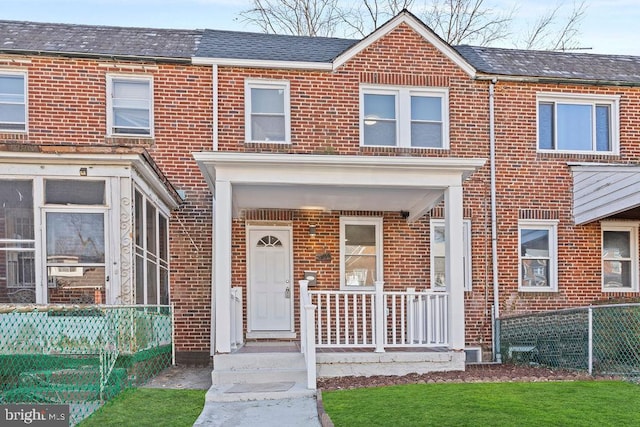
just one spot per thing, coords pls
(580, 403)
(149, 407)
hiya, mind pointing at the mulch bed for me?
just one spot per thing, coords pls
(472, 373)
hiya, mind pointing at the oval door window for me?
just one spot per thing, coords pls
(269, 242)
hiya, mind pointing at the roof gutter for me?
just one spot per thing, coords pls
(263, 63)
(86, 55)
(538, 79)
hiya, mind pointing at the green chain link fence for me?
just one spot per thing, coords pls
(598, 339)
(80, 355)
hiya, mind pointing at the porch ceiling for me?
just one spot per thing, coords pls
(334, 182)
(601, 191)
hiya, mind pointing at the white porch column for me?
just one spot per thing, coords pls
(454, 271)
(222, 265)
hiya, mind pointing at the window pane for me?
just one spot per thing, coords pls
(11, 88)
(74, 238)
(267, 101)
(151, 229)
(575, 127)
(131, 89)
(164, 286)
(617, 274)
(545, 126)
(152, 283)
(379, 107)
(438, 252)
(426, 108)
(534, 243)
(131, 118)
(163, 233)
(11, 113)
(535, 272)
(603, 130)
(17, 261)
(139, 279)
(379, 132)
(360, 260)
(74, 284)
(268, 128)
(74, 192)
(616, 244)
(139, 219)
(426, 135)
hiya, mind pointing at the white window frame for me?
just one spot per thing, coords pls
(466, 234)
(403, 96)
(632, 228)
(23, 74)
(552, 227)
(378, 223)
(273, 85)
(578, 99)
(110, 116)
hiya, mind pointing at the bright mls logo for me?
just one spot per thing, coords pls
(34, 415)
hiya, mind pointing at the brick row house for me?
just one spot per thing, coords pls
(389, 196)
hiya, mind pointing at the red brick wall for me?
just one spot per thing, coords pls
(542, 183)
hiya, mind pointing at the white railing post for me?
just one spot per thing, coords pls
(380, 321)
(307, 333)
(304, 299)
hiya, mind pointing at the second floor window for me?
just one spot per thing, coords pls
(13, 106)
(404, 117)
(577, 123)
(267, 115)
(130, 106)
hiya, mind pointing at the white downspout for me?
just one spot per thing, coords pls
(494, 221)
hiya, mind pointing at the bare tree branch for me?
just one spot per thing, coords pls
(296, 17)
(551, 32)
(456, 21)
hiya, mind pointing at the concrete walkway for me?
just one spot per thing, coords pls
(293, 412)
(244, 405)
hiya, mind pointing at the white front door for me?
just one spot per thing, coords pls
(270, 287)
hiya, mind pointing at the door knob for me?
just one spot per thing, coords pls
(287, 292)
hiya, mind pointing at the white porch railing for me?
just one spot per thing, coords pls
(378, 319)
(236, 317)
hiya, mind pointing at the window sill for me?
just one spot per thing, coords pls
(538, 290)
(130, 140)
(619, 290)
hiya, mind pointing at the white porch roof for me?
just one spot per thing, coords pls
(600, 191)
(330, 182)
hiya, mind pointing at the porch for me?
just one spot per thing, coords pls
(342, 333)
(365, 203)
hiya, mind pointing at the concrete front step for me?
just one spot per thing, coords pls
(258, 391)
(262, 375)
(241, 361)
(243, 368)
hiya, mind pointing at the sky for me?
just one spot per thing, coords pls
(609, 26)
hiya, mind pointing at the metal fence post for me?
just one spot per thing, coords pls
(590, 341)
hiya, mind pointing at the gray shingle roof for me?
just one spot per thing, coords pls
(554, 65)
(273, 47)
(25, 37)
(20, 36)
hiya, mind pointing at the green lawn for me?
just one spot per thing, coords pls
(580, 403)
(149, 407)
